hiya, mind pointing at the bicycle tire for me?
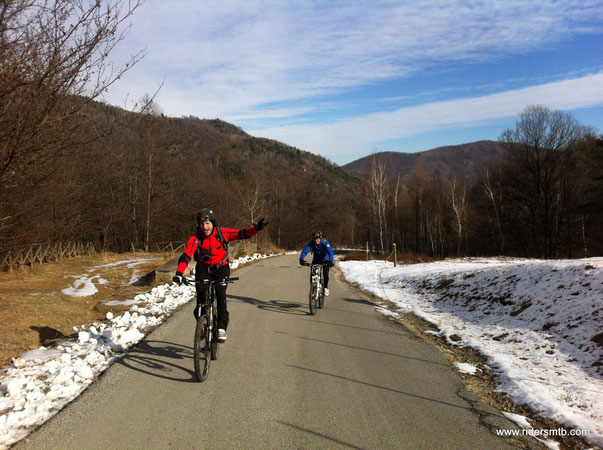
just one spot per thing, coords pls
(321, 299)
(214, 343)
(201, 349)
(313, 303)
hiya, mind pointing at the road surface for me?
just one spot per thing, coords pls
(345, 378)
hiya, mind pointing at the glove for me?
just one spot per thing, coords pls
(330, 263)
(177, 278)
(303, 262)
(260, 225)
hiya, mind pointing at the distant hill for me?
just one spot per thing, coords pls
(464, 160)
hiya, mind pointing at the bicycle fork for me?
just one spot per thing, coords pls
(210, 311)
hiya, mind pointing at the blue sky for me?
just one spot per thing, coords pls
(344, 79)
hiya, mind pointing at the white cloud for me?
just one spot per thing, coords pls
(358, 135)
(220, 59)
(263, 63)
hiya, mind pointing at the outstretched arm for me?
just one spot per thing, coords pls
(245, 233)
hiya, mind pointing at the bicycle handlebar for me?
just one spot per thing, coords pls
(306, 263)
(189, 281)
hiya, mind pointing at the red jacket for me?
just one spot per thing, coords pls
(208, 250)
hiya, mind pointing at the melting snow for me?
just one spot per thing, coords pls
(537, 322)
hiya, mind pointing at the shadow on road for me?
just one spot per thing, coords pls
(347, 310)
(279, 306)
(332, 324)
(364, 349)
(152, 358)
(408, 394)
(358, 301)
(316, 433)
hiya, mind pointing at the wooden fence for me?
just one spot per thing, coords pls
(158, 247)
(41, 253)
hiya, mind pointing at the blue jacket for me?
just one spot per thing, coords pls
(323, 252)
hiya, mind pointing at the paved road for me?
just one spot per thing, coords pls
(346, 377)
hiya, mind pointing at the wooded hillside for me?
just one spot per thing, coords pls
(145, 177)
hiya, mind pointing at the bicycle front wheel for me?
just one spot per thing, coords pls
(201, 349)
(214, 343)
(313, 299)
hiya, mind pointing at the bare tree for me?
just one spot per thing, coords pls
(434, 215)
(493, 192)
(399, 237)
(378, 195)
(417, 187)
(153, 111)
(255, 202)
(534, 153)
(53, 60)
(457, 196)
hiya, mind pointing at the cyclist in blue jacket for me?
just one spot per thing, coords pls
(322, 253)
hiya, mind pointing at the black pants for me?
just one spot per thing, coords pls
(204, 273)
(325, 275)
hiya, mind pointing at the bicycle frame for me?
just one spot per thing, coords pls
(317, 293)
(316, 270)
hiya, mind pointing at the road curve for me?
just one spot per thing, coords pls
(345, 378)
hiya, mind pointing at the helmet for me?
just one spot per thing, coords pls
(317, 234)
(205, 215)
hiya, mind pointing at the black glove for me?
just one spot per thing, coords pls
(303, 262)
(330, 263)
(177, 278)
(260, 225)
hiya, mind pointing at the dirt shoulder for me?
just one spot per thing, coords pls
(34, 310)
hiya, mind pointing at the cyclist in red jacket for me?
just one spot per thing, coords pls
(209, 247)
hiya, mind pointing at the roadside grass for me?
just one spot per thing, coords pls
(34, 311)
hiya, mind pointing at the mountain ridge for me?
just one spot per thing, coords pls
(463, 160)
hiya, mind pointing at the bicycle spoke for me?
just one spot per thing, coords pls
(201, 353)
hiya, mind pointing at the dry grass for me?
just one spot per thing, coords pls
(33, 310)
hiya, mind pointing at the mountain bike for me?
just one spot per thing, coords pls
(317, 287)
(205, 343)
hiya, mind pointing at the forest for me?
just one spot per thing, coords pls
(73, 168)
(542, 197)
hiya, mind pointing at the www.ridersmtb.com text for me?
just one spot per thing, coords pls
(543, 433)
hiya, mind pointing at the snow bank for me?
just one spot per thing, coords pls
(537, 322)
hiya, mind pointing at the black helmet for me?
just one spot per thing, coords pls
(317, 234)
(205, 215)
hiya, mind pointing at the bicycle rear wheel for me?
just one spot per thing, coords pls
(313, 300)
(321, 298)
(201, 349)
